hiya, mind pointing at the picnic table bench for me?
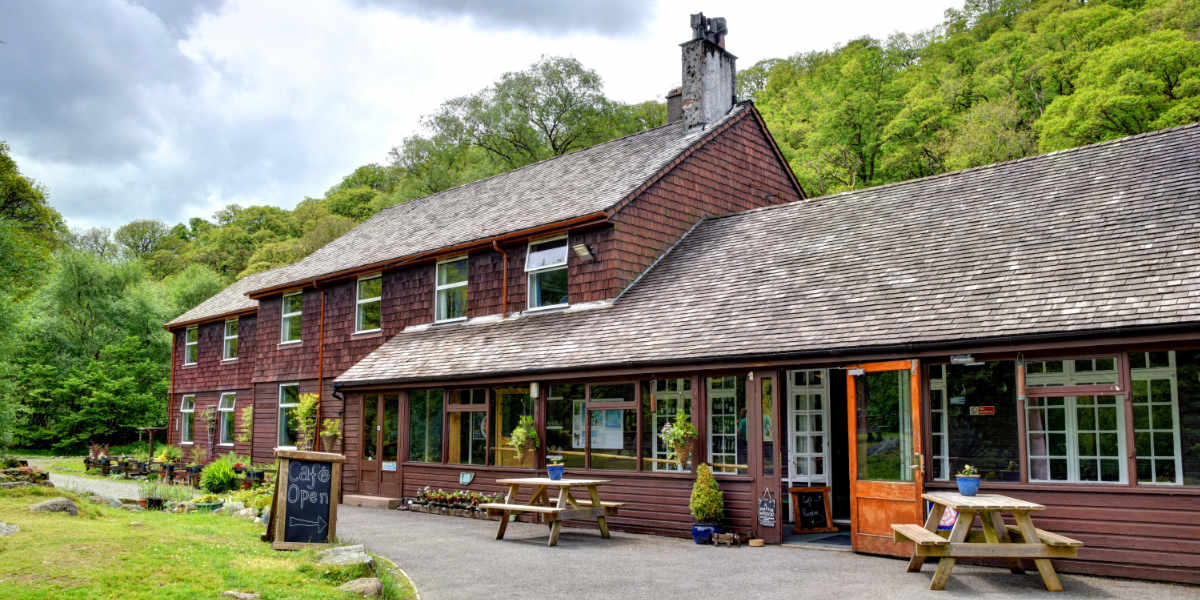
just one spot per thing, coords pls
(566, 507)
(1038, 544)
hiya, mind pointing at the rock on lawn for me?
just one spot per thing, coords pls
(345, 556)
(240, 595)
(56, 505)
(367, 587)
(7, 529)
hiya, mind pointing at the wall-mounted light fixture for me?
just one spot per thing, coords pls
(533, 389)
(583, 252)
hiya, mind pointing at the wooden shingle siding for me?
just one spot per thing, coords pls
(210, 373)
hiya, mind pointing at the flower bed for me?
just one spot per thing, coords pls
(456, 503)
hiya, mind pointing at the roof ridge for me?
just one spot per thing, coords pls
(884, 186)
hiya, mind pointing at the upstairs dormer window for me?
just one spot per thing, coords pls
(292, 313)
(230, 350)
(451, 295)
(546, 264)
(367, 316)
(191, 345)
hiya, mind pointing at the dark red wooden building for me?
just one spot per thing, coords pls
(869, 341)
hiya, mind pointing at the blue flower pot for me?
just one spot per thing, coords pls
(967, 486)
(554, 472)
(702, 532)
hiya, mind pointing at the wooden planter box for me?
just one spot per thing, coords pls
(449, 512)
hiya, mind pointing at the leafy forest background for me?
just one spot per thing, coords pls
(83, 355)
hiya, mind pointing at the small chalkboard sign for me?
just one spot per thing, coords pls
(811, 510)
(304, 511)
(766, 509)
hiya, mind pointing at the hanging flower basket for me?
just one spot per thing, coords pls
(683, 453)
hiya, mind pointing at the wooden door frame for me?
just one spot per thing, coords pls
(754, 453)
(376, 469)
(884, 545)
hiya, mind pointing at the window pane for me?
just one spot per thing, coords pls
(293, 303)
(189, 353)
(548, 288)
(768, 435)
(472, 396)
(546, 254)
(188, 420)
(193, 334)
(425, 426)
(369, 421)
(660, 405)
(291, 329)
(614, 439)
(452, 272)
(368, 316)
(468, 438)
(227, 401)
(884, 414)
(565, 422)
(231, 348)
(509, 404)
(452, 303)
(370, 288)
(287, 425)
(982, 419)
(621, 392)
(391, 431)
(727, 447)
(231, 328)
(227, 427)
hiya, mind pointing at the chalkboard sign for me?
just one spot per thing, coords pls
(304, 511)
(810, 510)
(766, 509)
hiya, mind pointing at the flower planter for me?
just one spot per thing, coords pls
(554, 472)
(967, 486)
(683, 453)
(208, 506)
(154, 503)
(702, 532)
(142, 502)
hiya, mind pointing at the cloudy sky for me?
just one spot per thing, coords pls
(171, 109)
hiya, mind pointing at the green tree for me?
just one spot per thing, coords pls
(140, 238)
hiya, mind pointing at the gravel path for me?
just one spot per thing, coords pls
(452, 557)
(108, 489)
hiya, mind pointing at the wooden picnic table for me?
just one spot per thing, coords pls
(566, 506)
(1034, 543)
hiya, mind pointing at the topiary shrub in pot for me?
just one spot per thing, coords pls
(707, 505)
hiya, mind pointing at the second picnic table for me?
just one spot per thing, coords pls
(565, 507)
(1035, 543)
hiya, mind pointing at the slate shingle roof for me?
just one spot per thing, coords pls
(573, 185)
(229, 300)
(1092, 239)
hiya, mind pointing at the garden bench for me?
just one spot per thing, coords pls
(566, 507)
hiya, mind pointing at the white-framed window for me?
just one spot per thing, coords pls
(289, 397)
(293, 305)
(727, 448)
(450, 297)
(368, 303)
(939, 425)
(808, 415)
(670, 397)
(1156, 416)
(191, 345)
(230, 350)
(546, 266)
(1075, 438)
(187, 419)
(225, 411)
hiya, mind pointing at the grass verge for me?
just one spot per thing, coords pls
(104, 553)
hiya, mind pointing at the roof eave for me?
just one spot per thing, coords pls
(211, 319)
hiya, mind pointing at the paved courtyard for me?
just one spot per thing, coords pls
(453, 557)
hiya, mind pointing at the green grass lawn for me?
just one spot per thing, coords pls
(101, 553)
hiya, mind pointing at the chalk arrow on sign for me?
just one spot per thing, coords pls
(319, 523)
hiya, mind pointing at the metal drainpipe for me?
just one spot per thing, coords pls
(171, 390)
(503, 279)
(320, 369)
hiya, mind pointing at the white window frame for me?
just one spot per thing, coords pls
(711, 393)
(810, 417)
(939, 412)
(531, 273)
(1147, 375)
(1070, 377)
(228, 421)
(438, 288)
(670, 398)
(280, 411)
(359, 302)
(225, 346)
(189, 345)
(283, 329)
(187, 414)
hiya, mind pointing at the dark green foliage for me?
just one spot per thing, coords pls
(218, 476)
(708, 501)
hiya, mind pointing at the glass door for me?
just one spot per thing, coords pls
(883, 409)
(808, 420)
(368, 460)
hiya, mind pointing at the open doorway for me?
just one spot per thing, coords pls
(815, 450)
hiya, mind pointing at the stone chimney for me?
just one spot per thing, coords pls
(709, 75)
(674, 105)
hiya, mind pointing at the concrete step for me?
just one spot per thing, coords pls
(370, 501)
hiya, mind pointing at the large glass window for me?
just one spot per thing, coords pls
(566, 412)
(1074, 435)
(727, 445)
(883, 405)
(808, 414)
(612, 418)
(293, 305)
(230, 349)
(546, 264)
(191, 345)
(187, 419)
(509, 404)
(662, 399)
(973, 419)
(466, 418)
(368, 302)
(289, 397)
(451, 294)
(225, 410)
(1166, 416)
(425, 426)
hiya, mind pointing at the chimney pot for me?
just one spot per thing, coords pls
(709, 74)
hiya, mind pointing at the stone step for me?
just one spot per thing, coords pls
(370, 501)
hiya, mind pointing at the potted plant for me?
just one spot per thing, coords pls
(155, 494)
(207, 502)
(305, 414)
(524, 437)
(678, 436)
(707, 505)
(554, 470)
(331, 433)
(968, 481)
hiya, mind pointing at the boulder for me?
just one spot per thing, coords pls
(56, 505)
(103, 500)
(248, 514)
(240, 595)
(345, 556)
(183, 507)
(137, 524)
(232, 507)
(8, 529)
(367, 587)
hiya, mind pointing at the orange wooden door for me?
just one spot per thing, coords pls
(883, 406)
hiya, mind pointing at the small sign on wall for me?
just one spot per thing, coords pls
(465, 477)
(984, 411)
